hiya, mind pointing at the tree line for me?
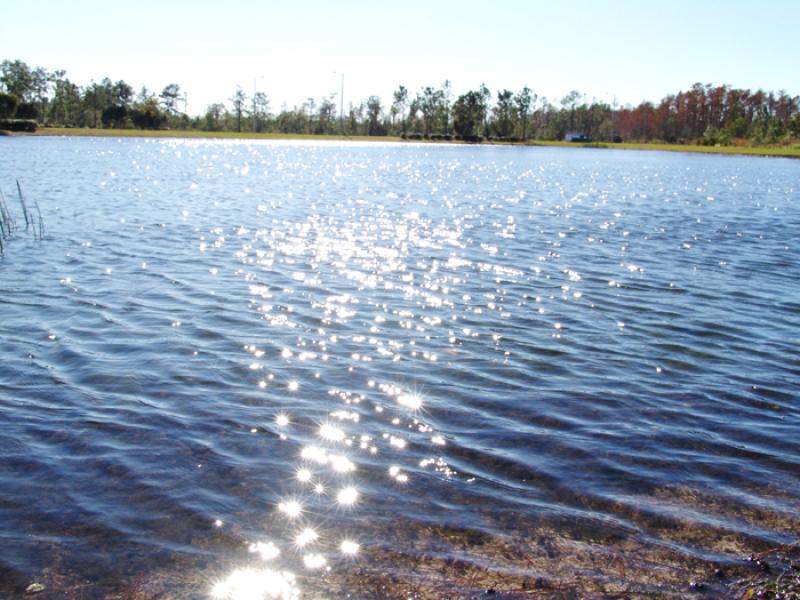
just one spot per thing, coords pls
(702, 114)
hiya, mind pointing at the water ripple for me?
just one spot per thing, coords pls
(304, 369)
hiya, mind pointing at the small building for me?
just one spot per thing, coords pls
(574, 136)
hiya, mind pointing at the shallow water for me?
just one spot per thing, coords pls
(293, 369)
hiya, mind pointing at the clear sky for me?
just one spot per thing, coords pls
(628, 50)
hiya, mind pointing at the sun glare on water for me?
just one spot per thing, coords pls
(257, 584)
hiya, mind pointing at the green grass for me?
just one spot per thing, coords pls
(197, 134)
(782, 151)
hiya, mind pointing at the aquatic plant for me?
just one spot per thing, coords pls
(24, 206)
(39, 222)
(780, 574)
(6, 222)
(8, 225)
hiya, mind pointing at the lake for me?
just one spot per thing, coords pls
(244, 369)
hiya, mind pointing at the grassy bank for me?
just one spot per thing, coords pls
(782, 151)
(197, 134)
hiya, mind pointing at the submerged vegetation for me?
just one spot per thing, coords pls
(703, 115)
(780, 578)
(540, 566)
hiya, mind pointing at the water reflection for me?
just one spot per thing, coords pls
(347, 496)
(349, 547)
(306, 537)
(257, 584)
(372, 255)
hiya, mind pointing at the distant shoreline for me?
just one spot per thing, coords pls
(775, 151)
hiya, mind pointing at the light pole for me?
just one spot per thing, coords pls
(341, 106)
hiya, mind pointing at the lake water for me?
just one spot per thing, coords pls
(301, 370)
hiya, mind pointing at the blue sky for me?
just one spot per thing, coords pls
(625, 49)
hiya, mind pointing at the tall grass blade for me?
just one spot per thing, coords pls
(40, 221)
(7, 218)
(24, 207)
(33, 221)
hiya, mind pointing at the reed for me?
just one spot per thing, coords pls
(40, 221)
(2, 225)
(8, 226)
(24, 207)
(8, 223)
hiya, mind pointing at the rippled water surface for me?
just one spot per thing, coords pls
(299, 370)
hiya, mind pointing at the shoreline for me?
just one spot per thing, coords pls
(768, 151)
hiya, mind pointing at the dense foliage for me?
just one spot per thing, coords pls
(17, 125)
(703, 114)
